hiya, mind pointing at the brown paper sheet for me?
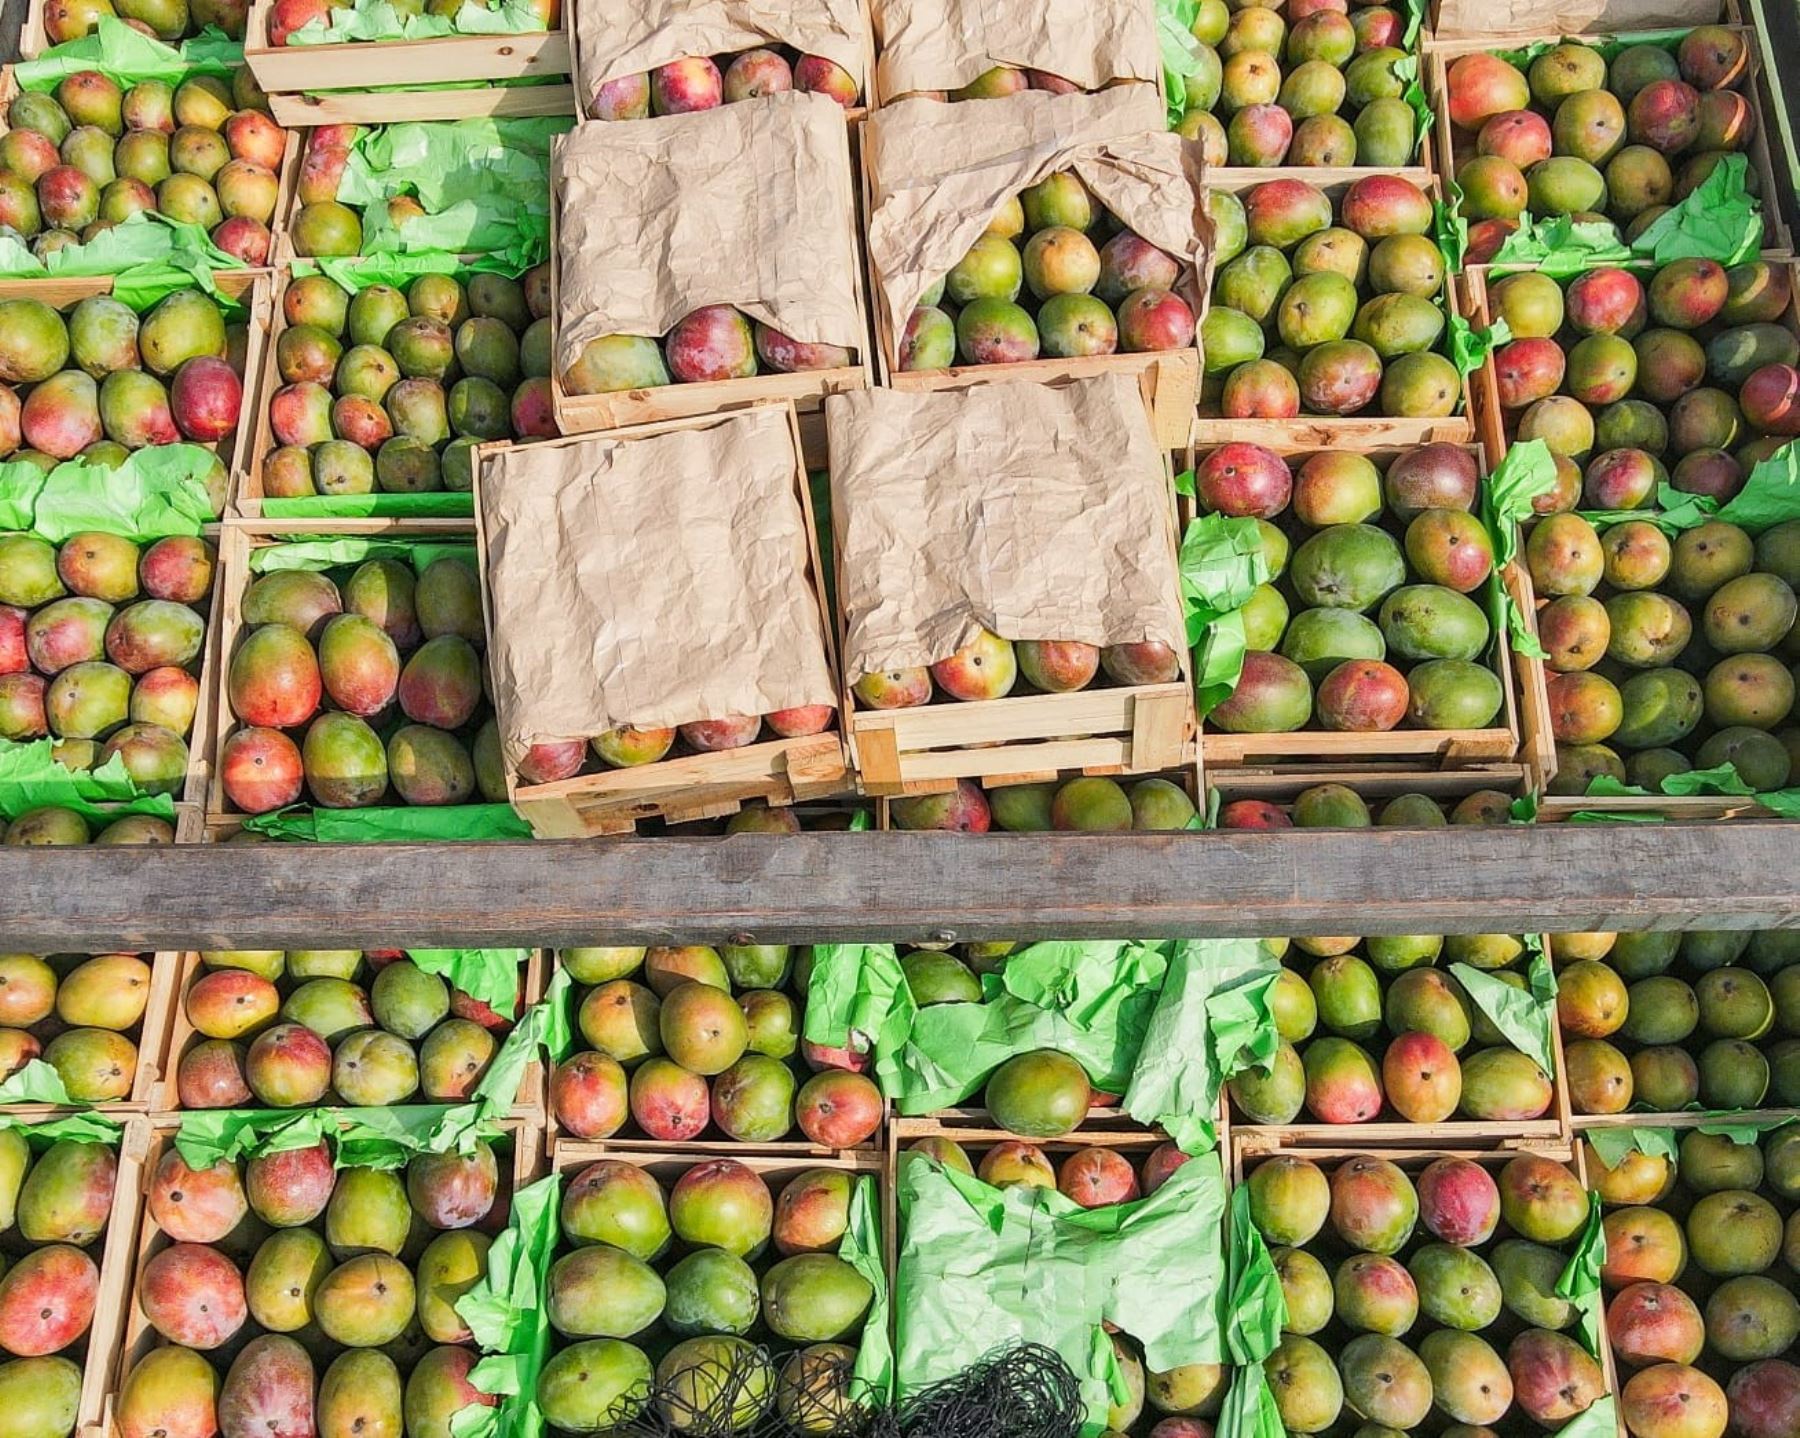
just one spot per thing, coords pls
(940, 171)
(749, 205)
(1031, 511)
(944, 44)
(1569, 17)
(628, 37)
(652, 581)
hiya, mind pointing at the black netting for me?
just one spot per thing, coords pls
(1023, 1392)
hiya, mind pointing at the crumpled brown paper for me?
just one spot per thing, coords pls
(939, 172)
(651, 581)
(1568, 17)
(1031, 511)
(614, 38)
(944, 44)
(748, 204)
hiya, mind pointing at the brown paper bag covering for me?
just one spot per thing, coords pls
(747, 204)
(652, 581)
(944, 44)
(941, 170)
(628, 37)
(1569, 17)
(1031, 511)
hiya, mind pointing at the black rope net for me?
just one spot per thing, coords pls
(1026, 1391)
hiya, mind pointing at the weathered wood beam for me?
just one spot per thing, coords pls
(820, 887)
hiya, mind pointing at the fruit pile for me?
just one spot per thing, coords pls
(702, 82)
(1683, 375)
(683, 1040)
(999, 81)
(100, 647)
(1342, 538)
(1702, 1249)
(55, 1206)
(712, 343)
(293, 1030)
(390, 391)
(167, 20)
(1663, 1021)
(1570, 134)
(1402, 1327)
(383, 639)
(81, 1014)
(102, 380)
(1089, 287)
(1440, 1053)
(1337, 806)
(261, 1268)
(989, 667)
(639, 1265)
(1090, 801)
(87, 156)
(1180, 1403)
(1326, 306)
(287, 16)
(1311, 86)
(630, 745)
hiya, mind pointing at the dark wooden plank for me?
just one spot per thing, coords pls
(815, 887)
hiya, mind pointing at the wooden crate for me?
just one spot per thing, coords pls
(1609, 16)
(150, 1034)
(1454, 148)
(521, 1166)
(694, 786)
(630, 1139)
(1169, 379)
(855, 113)
(1322, 431)
(1308, 1135)
(1135, 729)
(1689, 1118)
(248, 491)
(164, 1099)
(1521, 731)
(112, 1253)
(805, 390)
(237, 539)
(286, 73)
(1281, 784)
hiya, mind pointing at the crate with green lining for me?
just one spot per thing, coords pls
(96, 183)
(1672, 695)
(1662, 153)
(58, 22)
(1035, 1040)
(702, 1047)
(729, 1292)
(1122, 1274)
(1389, 1040)
(351, 656)
(1355, 604)
(107, 594)
(1331, 317)
(477, 186)
(1330, 93)
(459, 53)
(1416, 1287)
(1660, 1023)
(70, 1189)
(84, 1031)
(383, 373)
(367, 1030)
(356, 1264)
(1703, 1303)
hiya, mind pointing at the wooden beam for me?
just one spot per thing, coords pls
(818, 887)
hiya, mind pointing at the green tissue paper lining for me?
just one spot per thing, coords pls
(36, 1082)
(1612, 1144)
(1524, 1015)
(981, 1267)
(66, 1128)
(127, 56)
(1221, 563)
(360, 1137)
(379, 20)
(862, 1249)
(491, 975)
(460, 823)
(1527, 471)
(1180, 51)
(157, 492)
(30, 778)
(857, 999)
(150, 254)
(508, 1317)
